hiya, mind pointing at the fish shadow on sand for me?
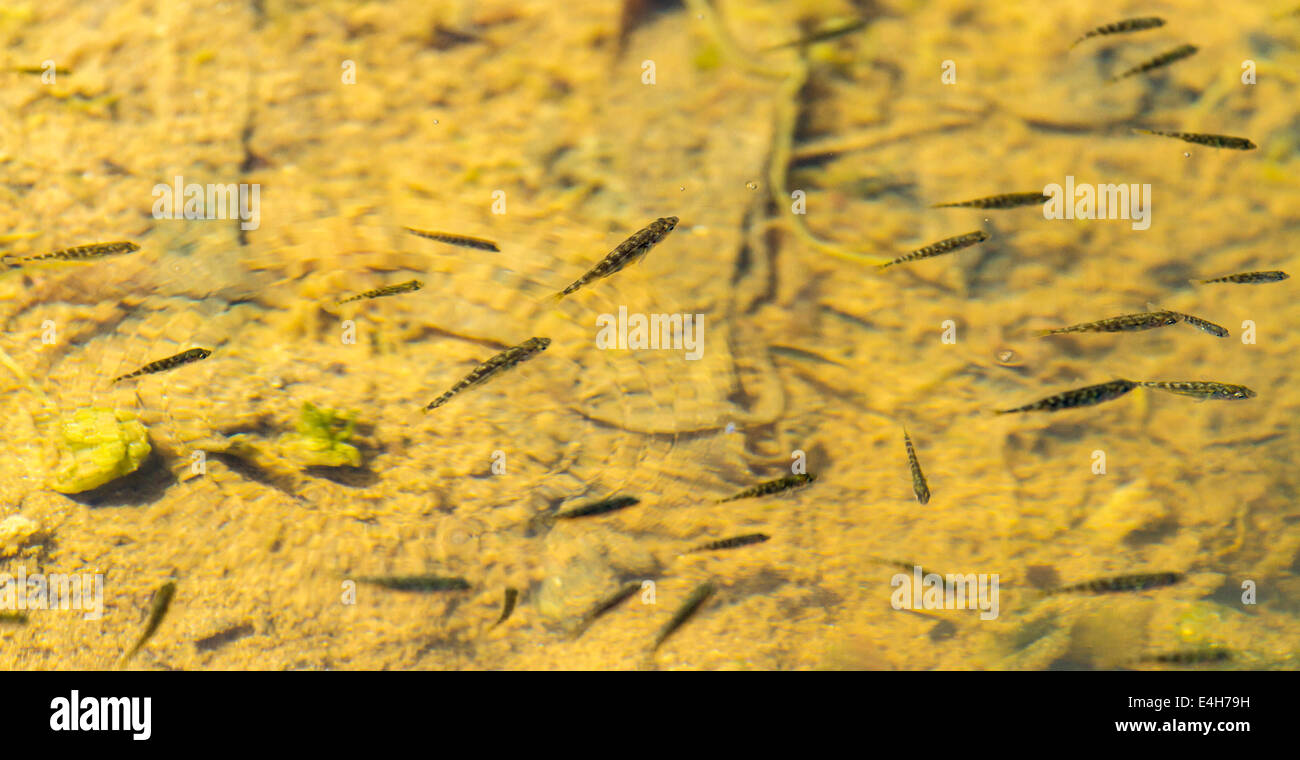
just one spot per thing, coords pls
(352, 477)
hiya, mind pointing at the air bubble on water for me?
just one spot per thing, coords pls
(1186, 154)
(682, 189)
(435, 121)
(751, 185)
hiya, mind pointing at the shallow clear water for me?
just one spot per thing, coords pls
(792, 173)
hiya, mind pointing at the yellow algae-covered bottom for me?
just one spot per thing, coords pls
(791, 172)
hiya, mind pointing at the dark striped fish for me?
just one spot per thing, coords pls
(829, 33)
(184, 357)
(731, 543)
(905, 565)
(947, 245)
(1250, 278)
(1009, 200)
(1204, 389)
(464, 241)
(420, 583)
(1138, 582)
(601, 507)
(512, 596)
(1190, 656)
(912, 567)
(387, 290)
(1164, 59)
(787, 483)
(1204, 325)
(605, 605)
(1121, 27)
(1146, 320)
(628, 252)
(688, 609)
(1088, 396)
(1212, 141)
(494, 366)
(919, 486)
(39, 70)
(162, 600)
(78, 253)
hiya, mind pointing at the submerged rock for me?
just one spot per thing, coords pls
(97, 446)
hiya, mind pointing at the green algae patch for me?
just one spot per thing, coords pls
(321, 439)
(97, 446)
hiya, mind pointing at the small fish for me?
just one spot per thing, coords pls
(162, 599)
(1190, 656)
(78, 253)
(445, 38)
(1204, 390)
(1249, 278)
(604, 506)
(628, 252)
(692, 605)
(1138, 582)
(184, 357)
(904, 565)
(494, 366)
(1009, 200)
(465, 241)
(421, 583)
(39, 70)
(1212, 141)
(731, 543)
(1146, 320)
(1164, 59)
(1204, 325)
(13, 618)
(772, 486)
(1087, 396)
(947, 245)
(829, 33)
(1120, 27)
(512, 596)
(799, 354)
(912, 567)
(605, 605)
(919, 486)
(387, 290)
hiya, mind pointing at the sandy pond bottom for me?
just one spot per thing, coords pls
(539, 132)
